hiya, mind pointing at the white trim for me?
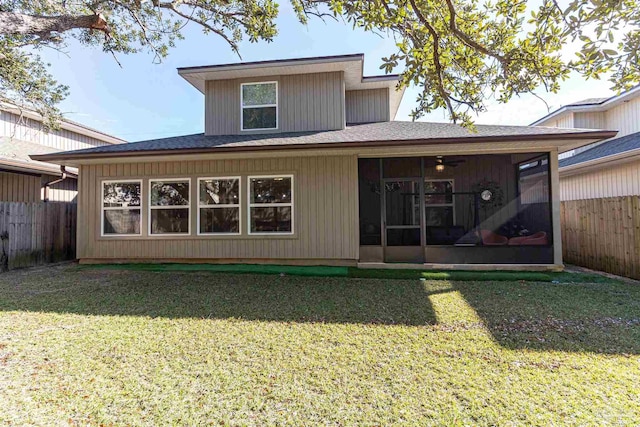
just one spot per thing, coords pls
(103, 208)
(243, 107)
(187, 206)
(443, 205)
(267, 205)
(220, 206)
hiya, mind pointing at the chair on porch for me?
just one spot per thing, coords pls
(489, 238)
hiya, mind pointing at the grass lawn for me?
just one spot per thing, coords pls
(128, 347)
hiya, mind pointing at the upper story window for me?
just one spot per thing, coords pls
(259, 103)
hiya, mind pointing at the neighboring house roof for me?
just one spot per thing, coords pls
(351, 65)
(592, 104)
(14, 155)
(67, 124)
(362, 135)
(624, 145)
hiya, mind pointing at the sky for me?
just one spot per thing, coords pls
(144, 100)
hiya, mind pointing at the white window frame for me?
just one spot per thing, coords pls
(242, 107)
(271, 205)
(103, 208)
(188, 206)
(443, 205)
(238, 206)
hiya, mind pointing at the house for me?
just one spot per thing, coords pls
(25, 180)
(301, 162)
(610, 168)
(600, 185)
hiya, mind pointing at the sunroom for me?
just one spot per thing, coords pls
(457, 209)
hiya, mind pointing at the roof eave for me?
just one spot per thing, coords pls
(600, 106)
(67, 125)
(586, 166)
(577, 136)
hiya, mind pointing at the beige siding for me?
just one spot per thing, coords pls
(305, 102)
(607, 181)
(625, 118)
(64, 191)
(325, 212)
(16, 187)
(24, 129)
(595, 120)
(367, 106)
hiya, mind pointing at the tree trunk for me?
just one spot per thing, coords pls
(21, 24)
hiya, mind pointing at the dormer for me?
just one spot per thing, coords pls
(292, 95)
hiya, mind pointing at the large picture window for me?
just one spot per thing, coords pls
(121, 205)
(219, 205)
(271, 204)
(259, 103)
(169, 206)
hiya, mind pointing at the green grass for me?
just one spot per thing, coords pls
(131, 347)
(327, 271)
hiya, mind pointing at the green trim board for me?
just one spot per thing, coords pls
(358, 273)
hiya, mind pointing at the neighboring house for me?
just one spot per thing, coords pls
(26, 180)
(610, 168)
(301, 162)
(600, 185)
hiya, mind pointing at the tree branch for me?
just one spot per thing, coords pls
(44, 26)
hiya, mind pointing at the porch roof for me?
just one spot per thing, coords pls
(395, 133)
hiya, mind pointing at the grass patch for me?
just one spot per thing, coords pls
(329, 271)
(531, 276)
(131, 347)
(313, 271)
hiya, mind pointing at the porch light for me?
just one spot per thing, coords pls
(439, 164)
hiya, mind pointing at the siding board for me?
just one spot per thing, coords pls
(305, 102)
(323, 187)
(367, 106)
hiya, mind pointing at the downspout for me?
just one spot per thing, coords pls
(63, 176)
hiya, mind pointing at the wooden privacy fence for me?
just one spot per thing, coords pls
(603, 234)
(38, 233)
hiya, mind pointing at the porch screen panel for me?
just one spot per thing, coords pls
(369, 202)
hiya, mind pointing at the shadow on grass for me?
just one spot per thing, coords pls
(205, 295)
(573, 317)
(594, 317)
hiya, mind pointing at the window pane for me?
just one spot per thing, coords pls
(438, 192)
(268, 220)
(169, 221)
(125, 221)
(220, 192)
(219, 220)
(169, 193)
(259, 118)
(121, 194)
(258, 94)
(439, 216)
(270, 190)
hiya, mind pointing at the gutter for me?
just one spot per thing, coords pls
(597, 135)
(63, 175)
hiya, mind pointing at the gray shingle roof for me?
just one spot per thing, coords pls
(384, 132)
(17, 152)
(608, 148)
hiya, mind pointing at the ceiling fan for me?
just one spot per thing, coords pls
(441, 163)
